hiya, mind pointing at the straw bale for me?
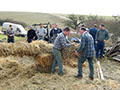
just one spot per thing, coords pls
(45, 60)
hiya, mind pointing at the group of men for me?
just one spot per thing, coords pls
(90, 41)
(41, 33)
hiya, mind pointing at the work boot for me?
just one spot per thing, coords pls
(78, 77)
(60, 74)
(91, 78)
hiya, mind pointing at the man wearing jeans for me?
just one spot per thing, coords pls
(93, 32)
(101, 37)
(87, 48)
(60, 43)
(10, 34)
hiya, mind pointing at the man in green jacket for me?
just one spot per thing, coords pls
(101, 37)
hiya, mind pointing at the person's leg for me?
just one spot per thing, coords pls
(97, 49)
(13, 40)
(60, 62)
(29, 40)
(102, 49)
(91, 67)
(41, 38)
(55, 62)
(9, 39)
(54, 66)
(80, 63)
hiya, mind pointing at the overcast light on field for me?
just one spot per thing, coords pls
(94, 7)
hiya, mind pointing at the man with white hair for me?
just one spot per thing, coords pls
(55, 32)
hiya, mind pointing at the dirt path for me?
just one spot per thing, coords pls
(21, 74)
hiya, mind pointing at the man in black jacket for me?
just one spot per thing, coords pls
(31, 35)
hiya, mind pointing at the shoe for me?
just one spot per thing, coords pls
(91, 78)
(60, 74)
(79, 77)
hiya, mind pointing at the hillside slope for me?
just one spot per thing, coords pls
(31, 17)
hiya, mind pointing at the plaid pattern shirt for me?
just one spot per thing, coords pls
(61, 42)
(87, 45)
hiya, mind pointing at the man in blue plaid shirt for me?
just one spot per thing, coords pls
(87, 49)
(60, 43)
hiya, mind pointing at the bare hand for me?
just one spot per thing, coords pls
(76, 53)
(73, 44)
(33, 38)
(44, 35)
(104, 41)
(96, 42)
(10, 35)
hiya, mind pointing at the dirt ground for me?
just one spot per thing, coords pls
(22, 74)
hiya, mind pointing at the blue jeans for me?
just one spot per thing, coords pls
(40, 38)
(29, 40)
(100, 47)
(91, 66)
(11, 39)
(58, 59)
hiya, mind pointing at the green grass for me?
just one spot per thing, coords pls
(17, 39)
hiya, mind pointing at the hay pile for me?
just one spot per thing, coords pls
(40, 50)
(24, 49)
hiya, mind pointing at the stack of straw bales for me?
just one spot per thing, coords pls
(40, 50)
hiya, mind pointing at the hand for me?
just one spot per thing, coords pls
(10, 35)
(73, 44)
(104, 41)
(44, 35)
(33, 38)
(76, 53)
(96, 42)
(52, 37)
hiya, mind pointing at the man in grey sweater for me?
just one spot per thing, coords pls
(101, 37)
(41, 32)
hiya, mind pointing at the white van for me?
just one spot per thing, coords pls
(18, 29)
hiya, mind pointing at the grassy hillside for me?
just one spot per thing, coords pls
(31, 18)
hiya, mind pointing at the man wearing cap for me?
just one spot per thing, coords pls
(41, 32)
(31, 35)
(101, 37)
(60, 43)
(55, 32)
(87, 49)
(93, 32)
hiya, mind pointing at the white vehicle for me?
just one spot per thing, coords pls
(18, 29)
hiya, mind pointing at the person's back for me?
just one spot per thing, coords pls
(93, 32)
(88, 50)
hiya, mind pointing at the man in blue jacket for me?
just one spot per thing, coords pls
(93, 32)
(55, 32)
(87, 49)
